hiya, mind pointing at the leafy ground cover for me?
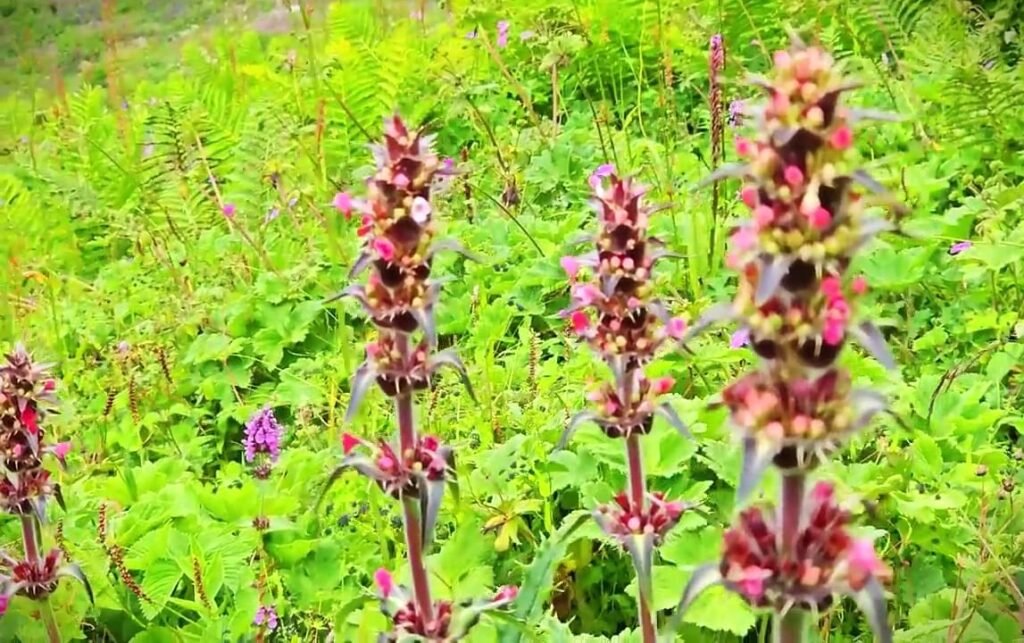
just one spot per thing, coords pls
(170, 242)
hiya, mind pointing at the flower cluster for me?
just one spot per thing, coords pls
(262, 441)
(27, 396)
(448, 622)
(612, 310)
(823, 556)
(797, 307)
(397, 228)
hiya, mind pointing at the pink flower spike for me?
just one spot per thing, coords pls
(385, 583)
(676, 327)
(343, 203)
(859, 285)
(228, 210)
(820, 218)
(793, 175)
(507, 593)
(349, 442)
(420, 210)
(663, 385)
(842, 138)
(571, 266)
(61, 450)
(384, 248)
(749, 196)
(580, 322)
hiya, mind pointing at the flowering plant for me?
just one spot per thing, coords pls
(798, 306)
(27, 397)
(397, 225)
(612, 311)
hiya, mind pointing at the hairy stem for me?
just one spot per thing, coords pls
(637, 487)
(414, 542)
(637, 494)
(790, 627)
(28, 537)
(403, 403)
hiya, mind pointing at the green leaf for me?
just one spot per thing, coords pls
(161, 577)
(721, 610)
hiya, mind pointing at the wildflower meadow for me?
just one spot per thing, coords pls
(632, 321)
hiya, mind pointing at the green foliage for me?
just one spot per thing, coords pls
(111, 230)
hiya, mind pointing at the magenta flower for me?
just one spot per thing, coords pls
(228, 210)
(343, 203)
(740, 338)
(263, 435)
(266, 616)
(502, 33)
(960, 246)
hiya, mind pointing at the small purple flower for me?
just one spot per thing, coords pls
(228, 210)
(502, 33)
(740, 338)
(263, 435)
(602, 171)
(736, 113)
(960, 246)
(266, 615)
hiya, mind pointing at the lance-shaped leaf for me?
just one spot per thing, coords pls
(450, 358)
(666, 411)
(871, 600)
(574, 423)
(355, 291)
(425, 318)
(866, 404)
(757, 455)
(72, 570)
(704, 577)
(451, 245)
(728, 171)
(364, 376)
(469, 615)
(641, 550)
(870, 337)
(360, 463)
(362, 261)
(711, 316)
(869, 229)
(770, 276)
(430, 502)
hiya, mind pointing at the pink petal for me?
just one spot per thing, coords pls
(859, 285)
(420, 210)
(343, 203)
(61, 450)
(820, 218)
(842, 138)
(676, 327)
(349, 442)
(507, 593)
(571, 266)
(580, 322)
(663, 385)
(749, 196)
(385, 583)
(384, 248)
(228, 210)
(793, 175)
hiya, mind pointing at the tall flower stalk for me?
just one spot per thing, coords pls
(612, 310)
(798, 304)
(716, 105)
(27, 397)
(397, 227)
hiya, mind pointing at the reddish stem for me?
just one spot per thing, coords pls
(637, 492)
(414, 541)
(792, 507)
(637, 487)
(403, 403)
(28, 537)
(789, 628)
(646, 623)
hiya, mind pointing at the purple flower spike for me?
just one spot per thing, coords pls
(960, 246)
(263, 435)
(502, 33)
(266, 616)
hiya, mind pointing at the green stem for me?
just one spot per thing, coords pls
(52, 631)
(791, 627)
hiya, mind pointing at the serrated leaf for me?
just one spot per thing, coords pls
(161, 577)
